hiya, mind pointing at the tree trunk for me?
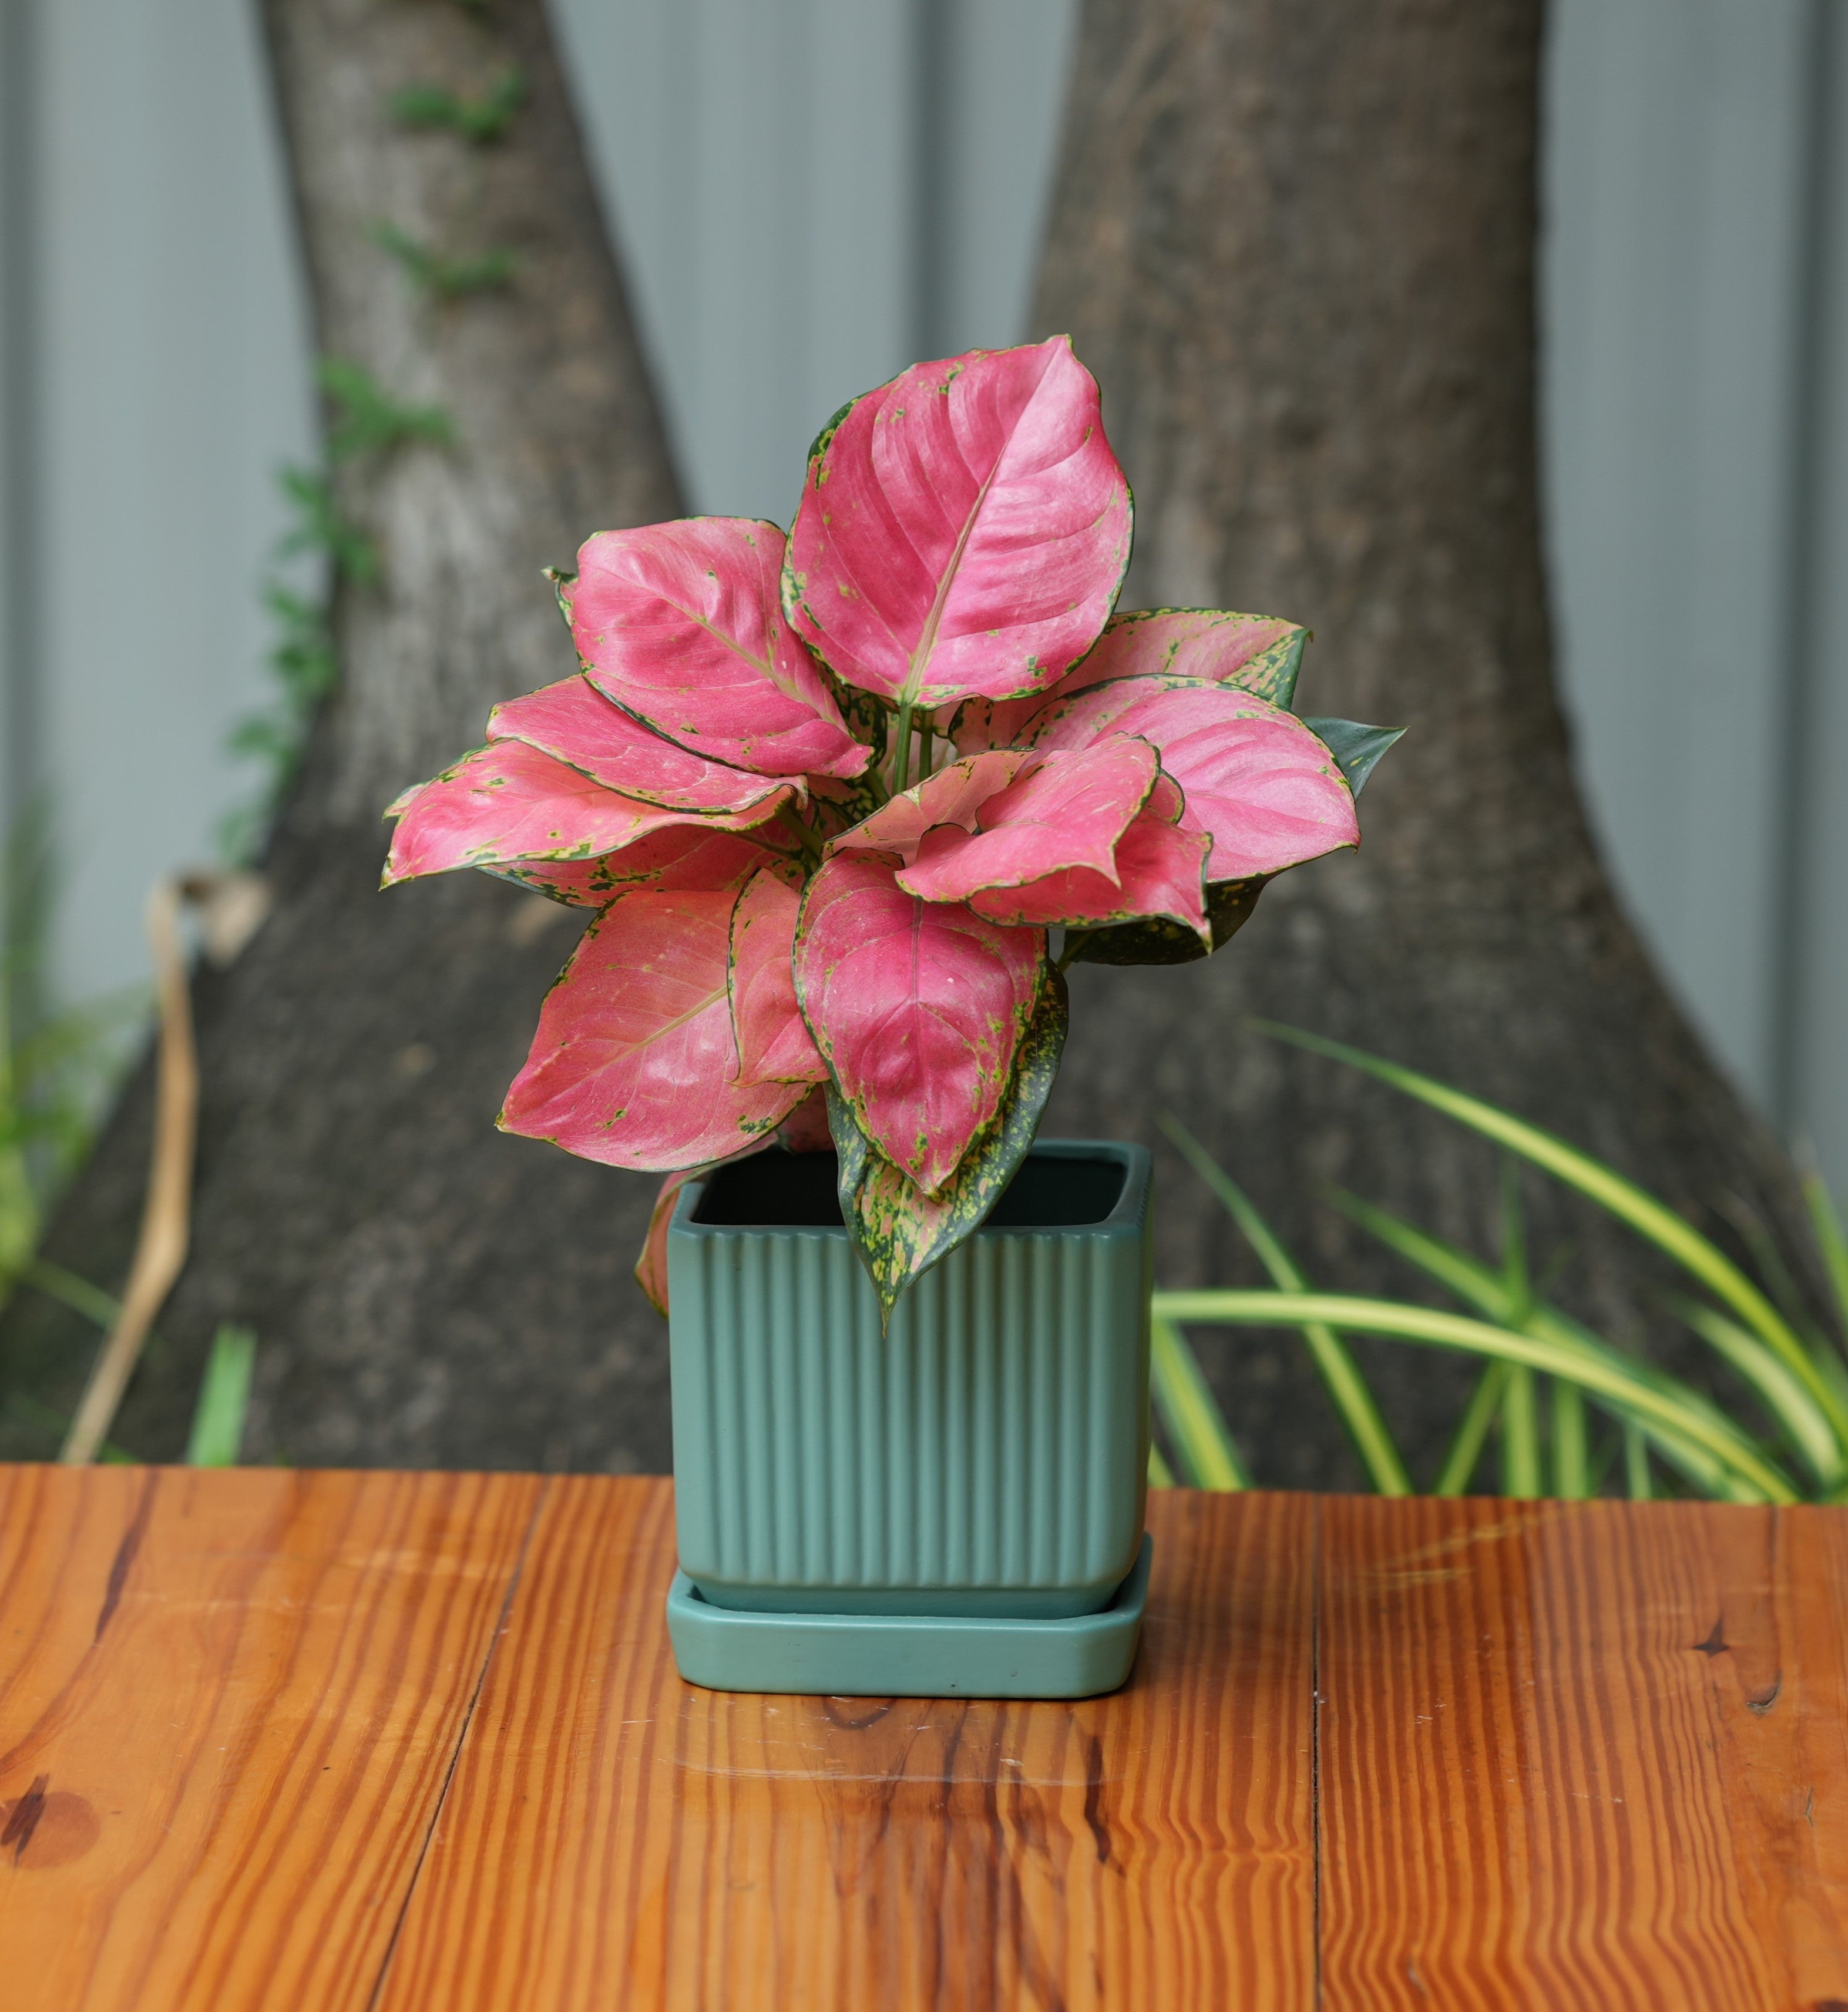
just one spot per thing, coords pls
(425, 1290)
(1297, 244)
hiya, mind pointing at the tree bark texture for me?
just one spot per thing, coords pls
(1297, 244)
(425, 1290)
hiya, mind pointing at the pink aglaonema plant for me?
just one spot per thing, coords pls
(827, 797)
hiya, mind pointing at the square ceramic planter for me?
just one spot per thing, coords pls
(986, 1459)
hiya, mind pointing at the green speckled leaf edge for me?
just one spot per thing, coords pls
(1273, 673)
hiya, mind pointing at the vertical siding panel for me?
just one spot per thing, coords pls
(1672, 282)
(1816, 1091)
(170, 379)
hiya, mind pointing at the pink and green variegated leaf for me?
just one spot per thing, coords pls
(1257, 781)
(1161, 871)
(1257, 653)
(954, 796)
(1065, 812)
(683, 625)
(806, 1129)
(774, 1044)
(963, 531)
(507, 801)
(632, 1062)
(917, 1007)
(573, 722)
(900, 1230)
(683, 856)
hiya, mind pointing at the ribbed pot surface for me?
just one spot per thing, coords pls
(988, 1454)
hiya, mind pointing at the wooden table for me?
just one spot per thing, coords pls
(282, 1739)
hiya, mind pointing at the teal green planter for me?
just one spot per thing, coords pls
(863, 1655)
(986, 1459)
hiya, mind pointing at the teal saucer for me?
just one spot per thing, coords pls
(889, 1655)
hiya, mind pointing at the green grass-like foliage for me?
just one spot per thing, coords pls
(217, 1433)
(1543, 1369)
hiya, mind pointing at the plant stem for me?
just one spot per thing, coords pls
(1075, 941)
(810, 845)
(901, 748)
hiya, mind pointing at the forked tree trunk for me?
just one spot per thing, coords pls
(1297, 244)
(425, 1290)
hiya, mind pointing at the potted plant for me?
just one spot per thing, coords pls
(829, 797)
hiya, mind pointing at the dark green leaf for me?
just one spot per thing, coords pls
(1356, 749)
(1229, 906)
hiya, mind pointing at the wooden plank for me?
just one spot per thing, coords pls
(228, 1704)
(1789, 1751)
(1572, 1754)
(613, 1836)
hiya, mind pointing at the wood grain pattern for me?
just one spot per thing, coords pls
(342, 1740)
(229, 1702)
(1574, 1755)
(613, 1836)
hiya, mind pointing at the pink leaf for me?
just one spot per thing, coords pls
(953, 796)
(682, 624)
(573, 722)
(774, 1045)
(684, 855)
(1257, 781)
(631, 1060)
(917, 1007)
(650, 1266)
(1067, 811)
(1161, 871)
(508, 801)
(1257, 653)
(963, 529)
